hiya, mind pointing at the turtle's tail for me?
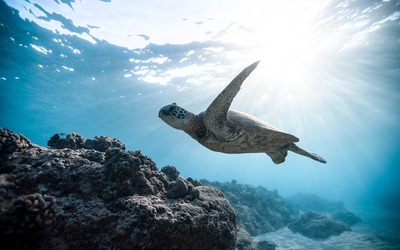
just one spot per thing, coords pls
(294, 148)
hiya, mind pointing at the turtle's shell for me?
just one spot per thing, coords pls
(255, 135)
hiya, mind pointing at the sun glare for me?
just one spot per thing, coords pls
(284, 35)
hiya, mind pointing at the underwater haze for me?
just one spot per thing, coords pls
(329, 74)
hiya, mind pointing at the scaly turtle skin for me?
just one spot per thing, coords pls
(229, 131)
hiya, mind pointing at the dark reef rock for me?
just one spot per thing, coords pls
(346, 217)
(179, 188)
(76, 141)
(11, 142)
(258, 210)
(72, 141)
(244, 241)
(307, 202)
(171, 172)
(195, 183)
(102, 143)
(23, 218)
(317, 226)
(266, 245)
(92, 194)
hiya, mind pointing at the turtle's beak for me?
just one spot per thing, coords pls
(163, 112)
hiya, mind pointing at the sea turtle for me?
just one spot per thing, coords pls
(229, 131)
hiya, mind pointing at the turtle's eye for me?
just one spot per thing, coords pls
(171, 109)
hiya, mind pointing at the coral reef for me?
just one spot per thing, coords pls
(92, 194)
(76, 141)
(11, 142)
(317, 226)
(25, 216)
(258, 210)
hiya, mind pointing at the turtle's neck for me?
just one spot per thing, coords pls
(195, 128)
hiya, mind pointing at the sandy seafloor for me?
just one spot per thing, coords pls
(357, 239)
(379, 230)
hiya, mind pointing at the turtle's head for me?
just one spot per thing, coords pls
(176, 116)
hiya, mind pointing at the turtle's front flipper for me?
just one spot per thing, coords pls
(216, 114)
(294, 148)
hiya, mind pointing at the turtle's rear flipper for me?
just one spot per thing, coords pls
(279, 156)
(294, 148)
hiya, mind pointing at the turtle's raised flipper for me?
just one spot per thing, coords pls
(216, 114)
(294, 148)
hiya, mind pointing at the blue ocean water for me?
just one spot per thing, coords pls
(329, 74)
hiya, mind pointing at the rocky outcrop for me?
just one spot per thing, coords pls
(76, 141)
(11, 142)
(317, 226)
(258, 210)
(244, 241)
(347, 217)
(92, 194)
(306, 202)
